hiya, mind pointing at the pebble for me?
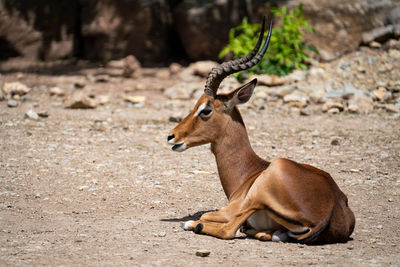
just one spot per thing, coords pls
(103, 99)
(16, 88)
(175, 118)
(379, 226)
(56, 91)
(135, 99)
(203, 253)
(335, 142)
(30, 114)
(12, 103)
(332, 105)
(333, 111)
(382, 94)
(162, 234)
(79, 99)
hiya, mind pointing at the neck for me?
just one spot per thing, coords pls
(236, 160)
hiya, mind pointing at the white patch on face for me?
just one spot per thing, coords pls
(179, 147)
(171, 142)
(200, 109)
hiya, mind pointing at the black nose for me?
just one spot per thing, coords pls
(172, 136)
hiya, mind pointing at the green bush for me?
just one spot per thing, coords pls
(287, 50)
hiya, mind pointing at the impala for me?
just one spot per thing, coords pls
(280, 200)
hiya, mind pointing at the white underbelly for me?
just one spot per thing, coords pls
(261, 221)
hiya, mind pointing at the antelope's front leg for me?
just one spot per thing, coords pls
(219, 230)
(220, 216)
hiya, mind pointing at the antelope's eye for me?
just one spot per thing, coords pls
(206, 112)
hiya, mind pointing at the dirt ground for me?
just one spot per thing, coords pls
(102, 187)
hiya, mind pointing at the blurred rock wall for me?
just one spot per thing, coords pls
(157, 31)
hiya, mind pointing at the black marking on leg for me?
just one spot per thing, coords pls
(198, 228)
(316, 234)
(301, 233)
(264, 238)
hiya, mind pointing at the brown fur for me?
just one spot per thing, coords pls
(294, 195)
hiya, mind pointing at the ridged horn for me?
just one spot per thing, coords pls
(219, 73)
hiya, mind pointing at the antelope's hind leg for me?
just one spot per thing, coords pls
(260, 235)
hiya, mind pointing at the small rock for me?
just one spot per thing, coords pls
(202, 68)
(297, 75)
(269, 80)
(374, 44)
(305, 112)
(326, 55)
(261, 95)
(30, 114)
(43, 114)
(392, 108)
(333, 111)
(379, 226)
(12, 103)
(175, 68)
(352, 108)
(392, 43)
(99, 78)
(80, 100)
(16, 88)
(296, 99)
(203, 253)
(381, 34)
(162, 234)
(135, 99)
(335, 142)
(355, 170)
(382, 94)
(103, 99)
(79, 84)
(362, 104)
(332, 105)
(56, 91)
(132, 67)
(175, 118)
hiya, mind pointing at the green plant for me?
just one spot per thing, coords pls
(287, 50)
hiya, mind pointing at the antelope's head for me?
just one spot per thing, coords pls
(207, 121)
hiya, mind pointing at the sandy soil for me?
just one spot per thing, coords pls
(102, 187)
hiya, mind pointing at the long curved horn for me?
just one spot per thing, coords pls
(217, 74)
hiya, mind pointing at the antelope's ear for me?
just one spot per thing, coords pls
(241, 95)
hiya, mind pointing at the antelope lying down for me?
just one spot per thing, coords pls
(280, 200)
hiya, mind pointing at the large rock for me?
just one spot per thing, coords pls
(380, 34)
(113, 29)
(203, 26)
(339, 24)
(38, 29)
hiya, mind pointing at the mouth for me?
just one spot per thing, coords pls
(179, 147)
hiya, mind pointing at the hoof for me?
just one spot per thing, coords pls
(280, 236)
(198, 228)
(264, 238)
(188, 225)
